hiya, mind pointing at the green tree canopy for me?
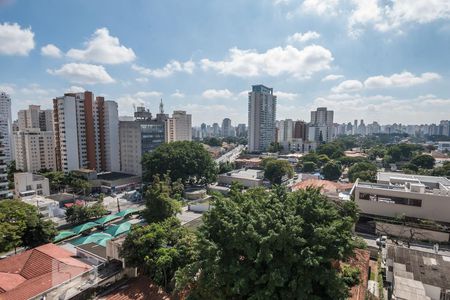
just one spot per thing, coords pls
(275, 170)
(424, 161)
(159, 250)
(332, 150)
(273, 245)
(21, 225)
(160, 200)
(365, 171)
(331, 170)
(308, 167)
(81, 213)
(188, 161)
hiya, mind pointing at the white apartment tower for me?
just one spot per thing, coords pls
(86, 133)
(179, 127)
(3, 172)
(262, 105)
(285, 131)
(6, 127)
(321, 125)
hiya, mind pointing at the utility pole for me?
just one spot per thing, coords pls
(118, 205)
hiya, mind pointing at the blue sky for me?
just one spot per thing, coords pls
(380, 60)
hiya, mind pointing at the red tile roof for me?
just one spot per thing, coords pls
(327, 186)
(361, 261)
(141, 288)
(34, 271)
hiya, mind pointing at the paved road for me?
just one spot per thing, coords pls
(230, 156)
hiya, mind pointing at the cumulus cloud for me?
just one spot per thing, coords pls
(169, 69)
(15, 40)
(8, 88)
(332, 77)
(103, 48)
(142, 79)
(299, 37)
(148, 94)
(51, 50)
(348, 86)
(276, 61)
(217, 94)
(35, 89)
(286, 96)
(83, 73)
(177, 94)
(404, 79)
(320, 7)
(75, 89)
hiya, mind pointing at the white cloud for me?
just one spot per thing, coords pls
(15, 40)
(103, 48)
(178, 94)
(276, 61)
(281, 2)
(35, 89)
(320, 7)
(75, 89)
(332, 77)
(211, 113)
(172, 67)
(83, 73)
(299, 37)
(142, 79)
(348, 86)
(365, 12)
(51, 50)
(404, 79)
(217, 94)
(148, 94)
(285, 96)
(7, 88)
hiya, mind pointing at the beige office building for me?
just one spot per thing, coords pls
(35, 150)
(179, 127)
(395, 194)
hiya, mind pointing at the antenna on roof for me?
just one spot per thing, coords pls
(161, 107)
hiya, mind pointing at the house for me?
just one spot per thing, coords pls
(29, 184)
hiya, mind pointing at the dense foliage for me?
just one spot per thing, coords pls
(161, 199)
(308, 167)
(424, 161)
(21, 225)
(331, 171)
(81, 213)
(272, 245)
(275, 170)
(187, 161)
(365, 171)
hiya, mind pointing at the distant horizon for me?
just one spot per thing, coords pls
(378, 61)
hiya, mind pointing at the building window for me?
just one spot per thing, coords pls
(39, 186)
(390, 199)
(28, 188)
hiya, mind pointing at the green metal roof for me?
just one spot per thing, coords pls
(83, 227)
(103, 242)
(62, 235)
(107, 219)
(126, 212)
(93, 238)
(118, 229)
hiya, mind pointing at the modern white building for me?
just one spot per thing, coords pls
(443, 146)
(3, 172)
(285, 131)
(321, 125)
(415, 196)
(179, 127)
(6, 127)
(35, 150)
(262, 105)
(29, 184)
(247, 177)
(86, 133)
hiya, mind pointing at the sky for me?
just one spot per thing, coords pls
(377, 60)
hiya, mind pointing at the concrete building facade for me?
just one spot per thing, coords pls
(35, 150)
(179, 127)
(3, 172)
(262, 104)
(29, 184)
(321, 125)
(6, 127)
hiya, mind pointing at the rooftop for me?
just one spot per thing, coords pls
(141, 288)
(245, 174)
(390, 176)
(326, 185)
(110, 176)
(35, 271)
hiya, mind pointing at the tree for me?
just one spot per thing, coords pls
(273, 245)
(159, 202)
(81, 213)
(225, 167)
(308, 167)
(21, 225)
(56, 180)
(159, 250)
(410, 168)
(275, 147)
(331, 171)
(425, 161)
(333, 150)
(275, 170)
(212, 141)
(365, 171)
(188, 161)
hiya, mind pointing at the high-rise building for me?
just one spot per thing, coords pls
(321, 125)
(138, 137)
(285, 131)
(262, 104)
(179, 127)
(3, 171)
(362, 128)
(34, 140)
(301, 130)
(215, 129)
(241, 130)
(226, 127)
(6, 127)
(86, 132)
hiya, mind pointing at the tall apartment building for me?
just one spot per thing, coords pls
(301, 130)
(3, 172)
(285, 131)
(321, 125)
(262, 104)
(34, 141)
(226, 127)
(241, 130)
(6, 127)
(86, 132)
(138, 137)
(179, 127)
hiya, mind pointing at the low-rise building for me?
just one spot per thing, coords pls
(443, 146)
(29, 184)
(415, 196)
(110, 182)
(246, 177)
(47, 207)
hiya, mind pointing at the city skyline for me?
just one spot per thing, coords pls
(348, 57)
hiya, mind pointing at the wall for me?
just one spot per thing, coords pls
(404, 231)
